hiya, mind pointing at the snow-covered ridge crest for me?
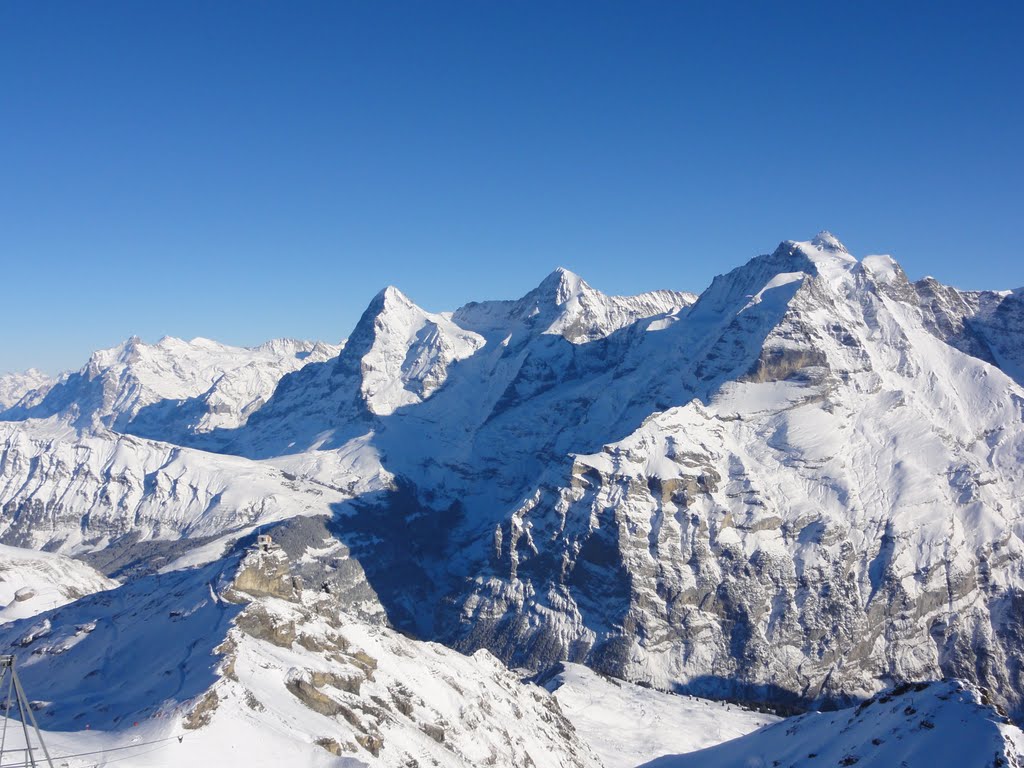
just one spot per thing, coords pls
(403, 351)
(800, 487)
(913, 726)
(565, 304)
(171, 387)
(31, 384)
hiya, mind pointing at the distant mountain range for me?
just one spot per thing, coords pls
(798, 488)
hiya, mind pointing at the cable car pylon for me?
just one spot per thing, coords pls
(25, 714)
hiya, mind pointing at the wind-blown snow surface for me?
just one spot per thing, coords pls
(31, 582)
(627, 725)
(15, 386)
(172, 388)
(920, 726)
(799, 488)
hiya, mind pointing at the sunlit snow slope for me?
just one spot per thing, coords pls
(922, 726)
(626, 724)
(250, 669)
(799, 488)
(32, 582)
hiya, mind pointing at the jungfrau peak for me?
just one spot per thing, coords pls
(826, 241)
(800, 488)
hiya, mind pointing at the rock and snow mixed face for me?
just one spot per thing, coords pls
(799, 487)
(249, 668)
(16, 386)
(911, 726)
(32, 582)
(172, 388)
(836, 507)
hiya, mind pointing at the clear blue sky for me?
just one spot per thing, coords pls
(245, 170)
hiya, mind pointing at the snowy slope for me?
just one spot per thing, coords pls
(566, 305)
(627, 725)
(32, 581)
(271, 674)
(75, 491)
(799, 488)
(400, 356)
(15, 386)
(171, 388)
(920, 726)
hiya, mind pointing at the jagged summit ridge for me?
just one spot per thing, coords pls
(32, 383)
(559, 287)
(564, 304)
(826, 241)
(728, 495)
(170, 388)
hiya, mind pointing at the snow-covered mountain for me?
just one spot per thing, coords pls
(799, 488)
(627, 724)
(81, 492)
(15, 386)
(399, 356)
(565, 305)
(818, 494)
(912, 726)
(32, 582)
(248, 667)
(172, 388)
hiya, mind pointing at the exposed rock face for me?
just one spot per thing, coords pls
(24, 594)
(265, 670)
(799, 488)
(267, 573)
(829, 521)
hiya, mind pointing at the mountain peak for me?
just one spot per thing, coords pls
(826, 241)
(390, 295)
(824, 250)
(561, 285)
(388, 301)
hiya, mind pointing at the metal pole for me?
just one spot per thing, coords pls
(7, 712)
(32, 717)
(31, 759)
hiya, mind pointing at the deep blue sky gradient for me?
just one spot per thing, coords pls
(245, 170)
